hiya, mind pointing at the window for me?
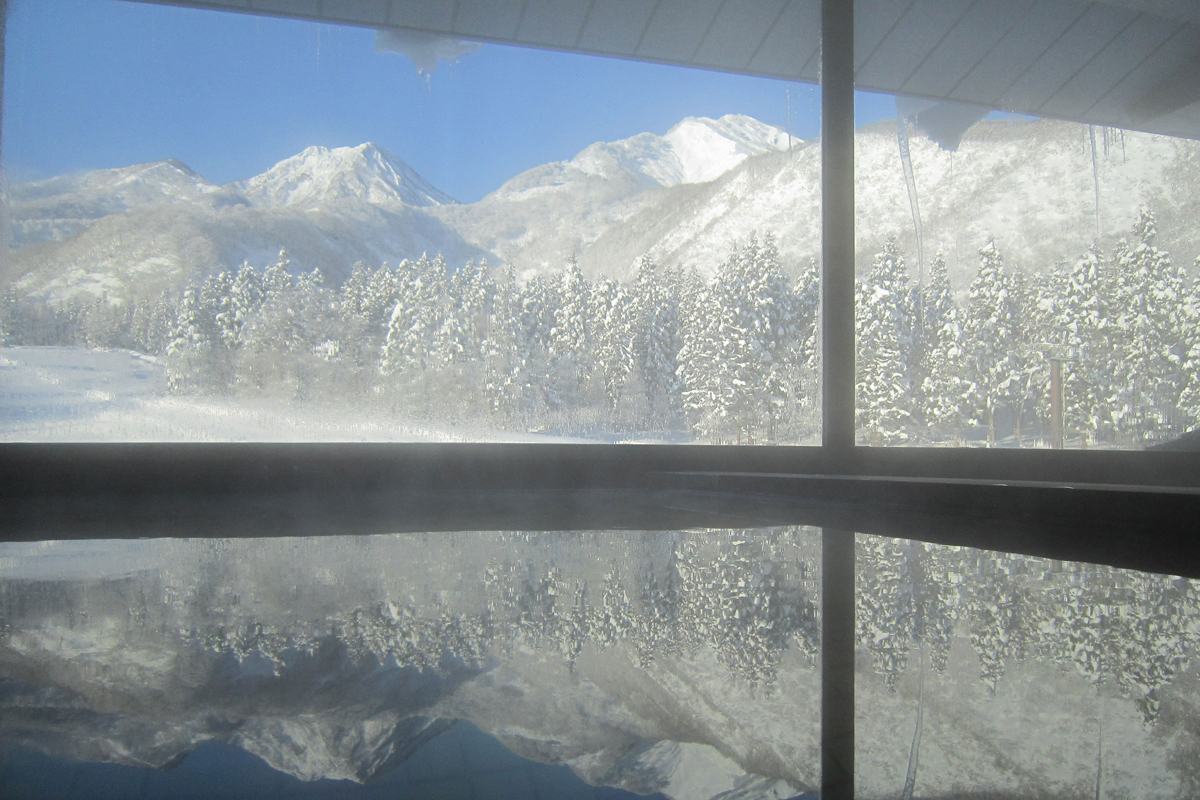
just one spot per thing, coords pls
(1128, 510)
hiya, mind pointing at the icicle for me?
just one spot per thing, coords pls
(1095, 176)
(789, 117)
(911, 181)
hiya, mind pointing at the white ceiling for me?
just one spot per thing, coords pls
(1126, 63)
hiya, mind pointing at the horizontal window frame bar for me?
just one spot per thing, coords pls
(1125, 509)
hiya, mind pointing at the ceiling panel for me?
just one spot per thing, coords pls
(1112, 64)
(496, 19)
(740, 28)
(1012, 56)
(556, 23)
(873, 21)
(368, 12)
(1070, 53)
(792, 43)
(437, 16)
(971, 38)
(912, 38)
(616, 25)
(307, 7)
(676, 28)
(1178, 56)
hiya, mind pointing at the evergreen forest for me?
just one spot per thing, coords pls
(733, 359)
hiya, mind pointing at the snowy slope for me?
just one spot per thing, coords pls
(60, 207)
(318, 175)
(545, 215)
(1030, 184)
(164, 247)
(80, 394)
(696, 150)
(156, 226)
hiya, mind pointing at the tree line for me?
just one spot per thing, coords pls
(1124, 326)
(732, 359)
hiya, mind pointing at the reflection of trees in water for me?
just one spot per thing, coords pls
(734, 595)
(1137, 630)
(746, 595)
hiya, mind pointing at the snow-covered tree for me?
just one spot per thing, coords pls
(504, 350)
(991, 339)
(944, 385)
(610, 313)
(194, 347)
(738, 358)
(1079, 323)
(1152, 335)
(410, 348)
(569, 341)
(1189, 400)
(654, 320)
(884, 341)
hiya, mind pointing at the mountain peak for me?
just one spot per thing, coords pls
(694, 150)
(320, 174)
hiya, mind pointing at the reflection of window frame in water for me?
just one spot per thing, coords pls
(1132, 510)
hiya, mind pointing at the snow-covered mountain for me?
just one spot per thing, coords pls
(60, 207)
(684, 198)
(1029, 184)
(696, 150)
(319, 175)
(156, 226)
(544, 215)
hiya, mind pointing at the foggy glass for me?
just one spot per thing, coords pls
(681, 662)
(1025, 282)
(985, 674)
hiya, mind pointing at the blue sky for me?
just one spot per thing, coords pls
(104, 83)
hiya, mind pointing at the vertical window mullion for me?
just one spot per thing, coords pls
(837, 364)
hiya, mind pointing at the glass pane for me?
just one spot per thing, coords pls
(985, 674)
(1024, 282)
(237, 228)
(679, 662)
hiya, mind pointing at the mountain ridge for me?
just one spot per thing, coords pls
(1030, 184)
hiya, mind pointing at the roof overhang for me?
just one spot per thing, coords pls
(1124, 63)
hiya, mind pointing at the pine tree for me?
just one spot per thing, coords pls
(416, 319)
(990, 340)
(738, 359)
(246, 295)
(1151, 294)
(506, 383)
(612, 337)
(192, 347)
(884, 322)
(1080, 324)
(656, 339)
(944, 385)
(569, 341)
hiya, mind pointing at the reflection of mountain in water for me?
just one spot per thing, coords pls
(679, 662)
